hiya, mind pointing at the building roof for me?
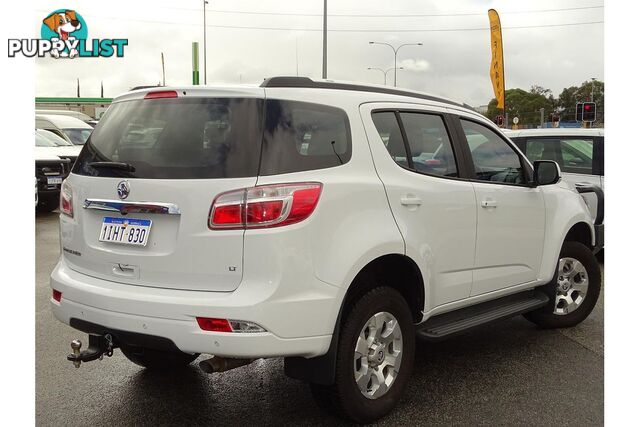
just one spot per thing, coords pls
(56, 100)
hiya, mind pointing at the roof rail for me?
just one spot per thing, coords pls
(306, 82)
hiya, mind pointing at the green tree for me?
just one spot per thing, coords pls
(524, 105)
(569, 97)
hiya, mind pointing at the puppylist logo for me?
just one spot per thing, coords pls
(64, 34)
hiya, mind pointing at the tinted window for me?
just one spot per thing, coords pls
(577, 155)
(177, 138)
(429, 143)
(389, 131)
(78, 136)
(494, 160)
(574, 155)
(300, 136)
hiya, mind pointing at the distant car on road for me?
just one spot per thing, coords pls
(73, 130)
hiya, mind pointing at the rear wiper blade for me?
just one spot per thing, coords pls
(113, 165)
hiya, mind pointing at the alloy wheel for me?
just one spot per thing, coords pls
(378, 355)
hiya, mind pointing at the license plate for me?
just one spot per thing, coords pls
(128, 231)
(54, 180)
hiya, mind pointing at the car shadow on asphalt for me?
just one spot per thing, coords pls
(504, 373)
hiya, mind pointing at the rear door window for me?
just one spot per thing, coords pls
(426, 140)
(183, 138)
(391, 136)
(431, 151)
(301, 136)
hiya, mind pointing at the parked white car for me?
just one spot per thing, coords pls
(578, 152)
(50, 171)
(326, 223)
(77, 114)
(61, 147)
(73, 130)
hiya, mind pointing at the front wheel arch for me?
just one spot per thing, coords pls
(580, 232)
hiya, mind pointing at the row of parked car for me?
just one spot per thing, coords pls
(60, 135)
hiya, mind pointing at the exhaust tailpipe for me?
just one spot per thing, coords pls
(222, 364)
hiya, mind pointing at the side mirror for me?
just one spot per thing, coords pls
(545, 172)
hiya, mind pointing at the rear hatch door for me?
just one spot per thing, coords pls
(156, 165)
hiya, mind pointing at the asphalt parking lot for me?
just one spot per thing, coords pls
(510, 373)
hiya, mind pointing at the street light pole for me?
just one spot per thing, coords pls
(395, 57)
(324, 42)
(384, 72)
(204, 18)
(394, 74)
(163, 75)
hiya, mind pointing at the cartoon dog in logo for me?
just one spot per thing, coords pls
(63, 23)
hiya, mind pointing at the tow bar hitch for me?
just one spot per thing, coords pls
(99, 346)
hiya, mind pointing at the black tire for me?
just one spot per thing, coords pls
(156, 359)
(47, 203)
(344, 398)
(545, 317)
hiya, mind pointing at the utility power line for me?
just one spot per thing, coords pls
(347, 30)
(349, 15)
(394, 30)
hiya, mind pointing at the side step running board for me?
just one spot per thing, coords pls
(454, 322)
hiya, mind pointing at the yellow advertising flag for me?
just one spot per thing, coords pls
(497, 61)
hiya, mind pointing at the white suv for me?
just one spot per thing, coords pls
(327, 223)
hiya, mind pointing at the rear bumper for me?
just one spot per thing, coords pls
(301, 325)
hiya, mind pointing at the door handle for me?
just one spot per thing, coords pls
(489, 203)
(410, 201)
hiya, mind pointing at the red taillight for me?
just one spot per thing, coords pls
(259, 212)
(231, 214)
(227, 210)
(161, 94)
(66, 199)
(214, 325)
(264, 206)
(57, 295)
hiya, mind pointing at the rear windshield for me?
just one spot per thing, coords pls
(177, 139)
(216, 138)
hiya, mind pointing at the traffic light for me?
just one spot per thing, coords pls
(499, 120)
(579, 111)
(589, 112)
